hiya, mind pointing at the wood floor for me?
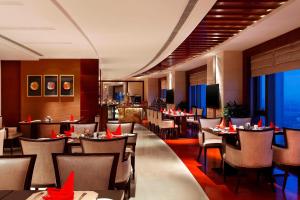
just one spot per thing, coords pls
(213, 184)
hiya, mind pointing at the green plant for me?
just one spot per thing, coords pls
(232, 109)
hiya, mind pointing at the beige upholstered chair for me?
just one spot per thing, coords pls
(16, 172)
(240, 121)
(130, 148)
(125, 127)
(165, 126)
(43, 174)
(45, 130)
(115, 145)
(84, 128)
(92, 171)
(208, 140)
(288, 157)
(253, 152)
(2, 136)
(11, 135)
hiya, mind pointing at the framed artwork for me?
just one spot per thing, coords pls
(34, 85)
(50, 85)
(67, 85)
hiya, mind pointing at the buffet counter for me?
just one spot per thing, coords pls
(133, 113)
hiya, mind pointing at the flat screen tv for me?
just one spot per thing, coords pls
(212, 96)
(170, 97)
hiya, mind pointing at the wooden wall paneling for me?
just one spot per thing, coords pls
(10, 90)
(89, 72)
(59, 108)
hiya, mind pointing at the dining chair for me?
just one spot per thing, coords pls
(193, 121)
(43, 174)
(253, 152)
(114, 145)
(16, 172)
(2, 136)
(149, 118)
(287, 157)
(86, 129)
(208, 140)
(95, 171)
(241, 121)
(125, 127)
(166, 126)
(45, 130)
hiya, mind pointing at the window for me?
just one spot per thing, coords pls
(197, 97)
(279, 96)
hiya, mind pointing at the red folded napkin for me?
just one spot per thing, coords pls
(179, 110)
(259, 123)
(68, 133)
(108, 133)
(53, 134)
(118, 130)
(161, 110)
(222, 124)
(71, 117)
(191, 111)
(272, 125)
(184, 111)
(231, 128)
(29, 118)
(65, 193)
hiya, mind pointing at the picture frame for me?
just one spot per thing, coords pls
(67, 85)
(34, 85)
(50, 85)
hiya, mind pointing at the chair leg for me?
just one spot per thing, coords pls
(224, 171)
(133, 166)
(286, 174)
(199, 155)
(128, 188)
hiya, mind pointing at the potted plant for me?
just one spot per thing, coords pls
(232, 109)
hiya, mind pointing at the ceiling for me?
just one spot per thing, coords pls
(127, 36)
(225, 20)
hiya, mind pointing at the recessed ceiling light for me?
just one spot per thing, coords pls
(254, 21)
(262, 16)
(269, 10)
(240, 30)
(282, 2)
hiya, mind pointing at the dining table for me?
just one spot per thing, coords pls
(180, 118)
(25, 194)
(30, 129)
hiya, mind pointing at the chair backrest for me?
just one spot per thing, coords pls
(199, 111)
(2, 136)
(256, 147)
(125, 127)
(131, 140)
(97, 121)
(292, 154)
(16, 172)
(194, 110)
(95, 171)
(45, 130)
(208, 123)
(114, 145)
(84, 128)
(240, 121)
(43, 173)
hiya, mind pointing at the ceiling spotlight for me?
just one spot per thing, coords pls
(262, 16)
(240, 30)
(254, 21)
(269, 10)
(282, 2)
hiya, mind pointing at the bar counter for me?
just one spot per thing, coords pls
(132, 113)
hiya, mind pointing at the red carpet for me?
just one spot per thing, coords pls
(213, 184)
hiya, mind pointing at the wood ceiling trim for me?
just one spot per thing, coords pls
(224, 20)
